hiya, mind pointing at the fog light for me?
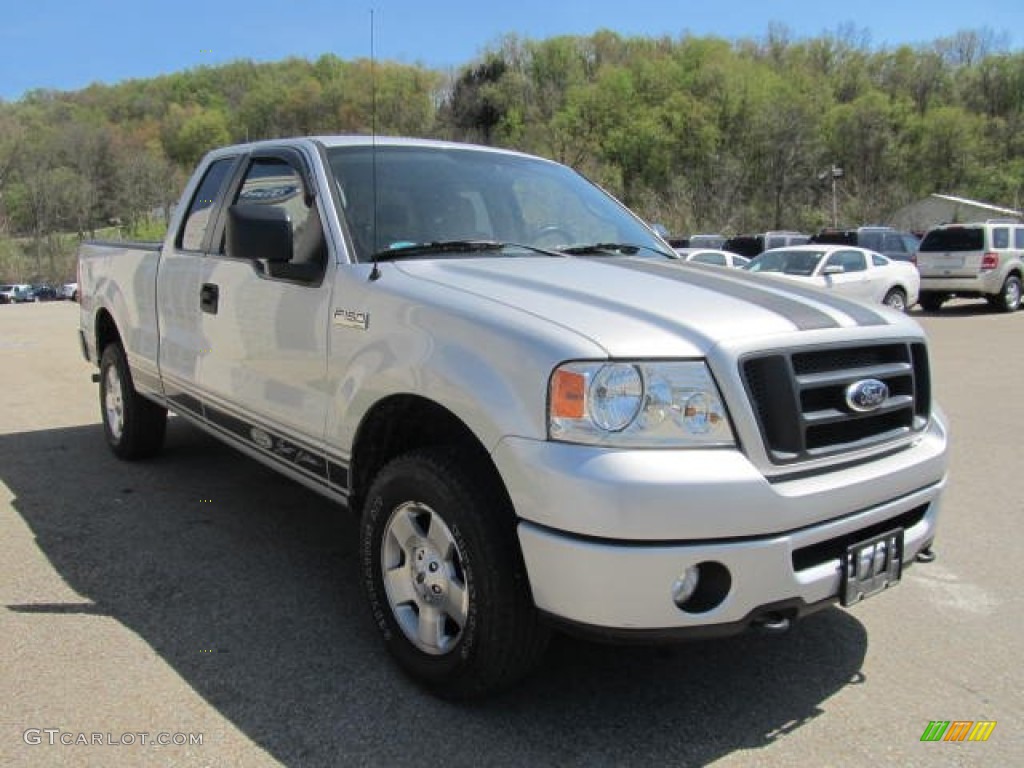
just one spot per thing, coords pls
(702, 587)
(685, 585)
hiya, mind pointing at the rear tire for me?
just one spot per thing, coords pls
(444, 575)
(1008, 299)
(931, 302)
(896, 299)
(134, 426)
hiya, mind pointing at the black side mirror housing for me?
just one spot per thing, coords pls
(260, 233)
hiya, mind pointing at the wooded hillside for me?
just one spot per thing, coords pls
(698, 133)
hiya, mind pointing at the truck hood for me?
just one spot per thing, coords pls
(635, 307)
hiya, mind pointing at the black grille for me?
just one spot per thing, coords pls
(799, 398)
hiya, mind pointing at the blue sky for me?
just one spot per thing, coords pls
(68, 44)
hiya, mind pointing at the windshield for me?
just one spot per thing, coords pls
(436, 195)
(786, 262)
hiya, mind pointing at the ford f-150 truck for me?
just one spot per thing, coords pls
(540, 418)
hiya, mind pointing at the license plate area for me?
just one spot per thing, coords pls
(871, 566)
(948, 261)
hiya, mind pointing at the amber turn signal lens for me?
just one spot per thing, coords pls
(568, 395)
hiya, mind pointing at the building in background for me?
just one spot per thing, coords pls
(946, 209)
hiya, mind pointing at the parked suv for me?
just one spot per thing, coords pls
(977, 260)
(890, 242)
(754, 245)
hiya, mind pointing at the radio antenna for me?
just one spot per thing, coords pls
(375, 272)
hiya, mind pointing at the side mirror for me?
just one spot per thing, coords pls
(260, 233)
(832, 269)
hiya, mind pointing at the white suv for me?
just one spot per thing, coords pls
(14, 294)
(977, 260)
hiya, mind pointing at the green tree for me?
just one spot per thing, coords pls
(190, 132)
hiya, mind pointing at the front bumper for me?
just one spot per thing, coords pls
(619, 589)
(606, 534)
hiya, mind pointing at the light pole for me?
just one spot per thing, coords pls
(837, 173)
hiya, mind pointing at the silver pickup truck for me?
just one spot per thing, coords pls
(540, 418)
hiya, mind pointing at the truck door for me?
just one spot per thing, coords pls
(177, 289)
(266, 323)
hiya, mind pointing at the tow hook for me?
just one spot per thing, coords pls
(926, 555)
(771, 624)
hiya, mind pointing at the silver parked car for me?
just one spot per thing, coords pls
(980, 260)
(712, 256)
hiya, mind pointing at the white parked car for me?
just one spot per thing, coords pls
(854, 272)
(711, 256)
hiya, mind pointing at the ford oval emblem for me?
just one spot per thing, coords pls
(866, 395)
(261, 438)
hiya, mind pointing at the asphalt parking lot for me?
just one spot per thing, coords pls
(200, 593)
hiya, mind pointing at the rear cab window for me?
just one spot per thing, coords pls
(192, 235)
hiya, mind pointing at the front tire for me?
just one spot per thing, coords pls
(444, 576)
(134, 426)
(896, 299)
(1009, 297)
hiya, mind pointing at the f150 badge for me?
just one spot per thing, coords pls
(349, 318)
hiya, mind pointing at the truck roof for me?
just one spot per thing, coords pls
(354, 140)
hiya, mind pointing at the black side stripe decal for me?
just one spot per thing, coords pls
(750, 288)
(275, 446)
(283, 450)
(337, 476)
(186, 402)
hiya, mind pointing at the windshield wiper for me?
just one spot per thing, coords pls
(598, 249)
(407, 250)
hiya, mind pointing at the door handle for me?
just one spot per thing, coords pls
(209, 295)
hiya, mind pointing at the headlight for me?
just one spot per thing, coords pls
(637, 404)
(616, 395)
